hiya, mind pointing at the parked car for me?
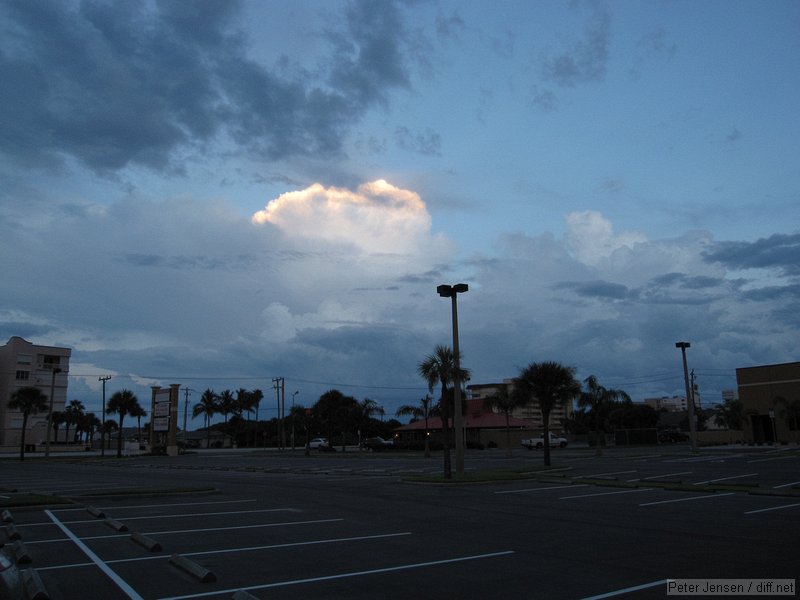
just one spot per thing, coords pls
(538, 442)
(318, 443)
(376, 444)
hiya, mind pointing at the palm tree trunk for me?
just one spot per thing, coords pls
(546, 424)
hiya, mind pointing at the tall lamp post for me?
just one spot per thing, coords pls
(452, 291)
(50, 412)
(103, 378)
(689, 396)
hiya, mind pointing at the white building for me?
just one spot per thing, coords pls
(23, 364)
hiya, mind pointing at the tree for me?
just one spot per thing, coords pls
(226, 404)
(138, 412)
(730, 414)
(423, 411)
(789, 411)
(439, 368)
(58, 419)
(505, 403)
(551, 384)
(334, 412)
(123, 403)
(29, 401)
(362, 413)
(207, 407)
(72, 415)
(598, 399)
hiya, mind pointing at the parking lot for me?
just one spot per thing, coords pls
(352, 526)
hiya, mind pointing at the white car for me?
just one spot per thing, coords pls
(538, 442)
(318, 443)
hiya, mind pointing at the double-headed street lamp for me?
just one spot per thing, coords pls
(689, 395)
(451, 291)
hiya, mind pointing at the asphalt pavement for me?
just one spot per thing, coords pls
(359, 525)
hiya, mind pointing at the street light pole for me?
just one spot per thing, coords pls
(50, 412)
(448, 291)
(103, 378)
(689, 396)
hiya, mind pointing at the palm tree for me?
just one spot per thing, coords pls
(58, 418)
(108, 427)
(123, 403)
(138, 412)
(30, 401)
(598, 398)
(226, 404)
(363, 412)
(551, 384)
(439, 368)
(72, 415)
(422, 411)
(207, 407)
(505, 403)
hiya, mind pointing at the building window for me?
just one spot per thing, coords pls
(23, 375)
(24, 359)
(50, 361)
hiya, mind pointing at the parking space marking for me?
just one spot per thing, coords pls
(628, 590)
(420, 565)
(230, 550)
(705, 497)
(755, 460)
(668, 475)
(552, 487)
(717, 457)
(777, 487)
(207, 529)
(118, 581)
(607, 493)
(604, 474)
(182, 505)
(725, 478)
(761, 510)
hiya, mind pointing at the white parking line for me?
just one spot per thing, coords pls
(229, 550)
(207, 529)
(628, 590)
(552, 487)
(668, 475)
(607, 493)
(752, 512)
(755, 460)
(688, 499)
(343, 575)
(120, 583)
(725, 478)
(604, 474)
(777, 487)
(181, 504)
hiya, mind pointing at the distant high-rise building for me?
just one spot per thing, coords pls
(23, 364)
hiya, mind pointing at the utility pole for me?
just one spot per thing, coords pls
(103, 378)
(689, 395)
(278, 384)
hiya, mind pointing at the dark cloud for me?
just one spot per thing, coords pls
(428, 143)
(697, 282)
(585, 60)
(117, 84)
(598, 289)
(779, 251)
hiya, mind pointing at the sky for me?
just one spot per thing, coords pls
(219, 193)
